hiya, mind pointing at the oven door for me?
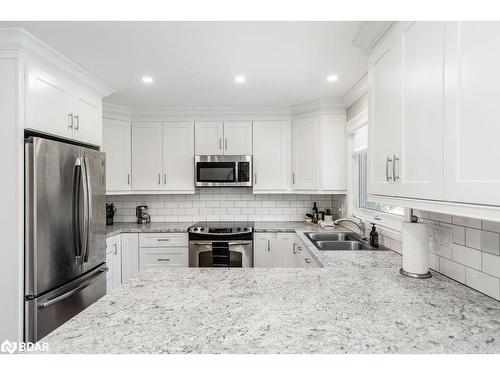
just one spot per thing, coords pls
(229, 253)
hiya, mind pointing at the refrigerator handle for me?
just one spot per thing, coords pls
(85, 208)
(77, 234)
(89, 208)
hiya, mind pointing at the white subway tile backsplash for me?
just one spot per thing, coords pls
(467, 222)
(440, 217)
(458, 234)
(452, 269)
(222, 204)
(493, 226)
(483, 240)
(486, 284)
(491, 264)
(467, 256)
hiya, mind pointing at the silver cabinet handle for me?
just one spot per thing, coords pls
(220, 143)
(164, 178)
(116, 248)
(163, 259)
(128, 178)
(387, 161)
(293, 249)
(293, 178)
(268, 245)
(159, 178)
(225, 143)
(70, 117)
(77, 122)
(162, 239)
(255, 179)
(307, 260)
(394, 174)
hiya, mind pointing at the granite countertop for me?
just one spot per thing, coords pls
(357, 303)
(259, 226)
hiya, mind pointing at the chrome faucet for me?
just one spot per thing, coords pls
(361, 224)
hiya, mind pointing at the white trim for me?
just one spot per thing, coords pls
(12, 39)
(149, 192)
(481, 212)
(370, 33)
(357, 122)
(355, 92)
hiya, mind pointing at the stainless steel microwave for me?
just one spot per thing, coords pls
(223, 170)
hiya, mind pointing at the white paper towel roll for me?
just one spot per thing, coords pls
(415, 248)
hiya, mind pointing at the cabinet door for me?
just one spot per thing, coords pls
(130, 255)
(208, 138)
(147, 155)
(178, 156)
(283, 252)
(238, 138)
(167, 257)
(420, 164)
(472, 95)
(116, 143)
(88, 119)
(333, 140)
(271, 155)
(262, 249)
(48, 103)
(385, 115)
(305, 149)
(113, 261)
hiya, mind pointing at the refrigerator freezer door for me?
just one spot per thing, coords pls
(51, 256)
(46, 313)
(95, 252)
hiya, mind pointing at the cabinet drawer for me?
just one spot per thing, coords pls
(163, 257)
(163, 239)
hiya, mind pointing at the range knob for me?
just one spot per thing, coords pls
(238, 229)
(246, 229)
(196, 229)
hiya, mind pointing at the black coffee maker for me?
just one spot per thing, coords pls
(110, 213)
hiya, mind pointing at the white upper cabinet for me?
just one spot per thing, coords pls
(305, 154)
(384, 76)
(87, 112)
(229, 138)
(237, 138)
(472, 96)
(418, 167)
(48, 103)
(333, 152)
(271, 155)
(147, 155)
(58, 106)
(117, 146)
(178, 156)
(209, 138)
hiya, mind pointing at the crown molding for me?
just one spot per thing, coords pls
(369, 34)
(355, 92)
(17, 39)
(319, 107)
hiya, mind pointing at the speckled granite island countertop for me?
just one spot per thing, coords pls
(358, 303)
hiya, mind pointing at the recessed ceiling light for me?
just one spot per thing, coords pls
(332, 78)
(147, 80)
(239, 79)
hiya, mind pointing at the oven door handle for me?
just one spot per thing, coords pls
(230, 243)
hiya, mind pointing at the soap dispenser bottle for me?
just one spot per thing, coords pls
(373, 236)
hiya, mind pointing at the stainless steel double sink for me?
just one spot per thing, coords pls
(328, 241)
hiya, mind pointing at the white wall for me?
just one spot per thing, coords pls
(225, 204)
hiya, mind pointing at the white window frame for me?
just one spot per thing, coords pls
(390, 223)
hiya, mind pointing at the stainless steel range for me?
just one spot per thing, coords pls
(221, 244)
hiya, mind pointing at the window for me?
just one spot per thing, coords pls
(359, 147)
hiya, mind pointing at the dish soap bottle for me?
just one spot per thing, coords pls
(373, 236)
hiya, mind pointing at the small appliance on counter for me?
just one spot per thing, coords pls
(142, 217)
(110, 213)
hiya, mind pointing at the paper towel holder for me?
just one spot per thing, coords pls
(414, 219)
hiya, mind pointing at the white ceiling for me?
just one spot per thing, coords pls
(194, 63)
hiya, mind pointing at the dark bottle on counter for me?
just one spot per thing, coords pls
(315, 217)
(373, 236)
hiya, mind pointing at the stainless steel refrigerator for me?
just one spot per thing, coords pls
(65, 233)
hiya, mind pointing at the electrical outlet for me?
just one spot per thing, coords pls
(440, 240)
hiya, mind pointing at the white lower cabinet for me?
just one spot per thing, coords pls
(122, 259)
(163, 250)
(113, 262)
(281, 250)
